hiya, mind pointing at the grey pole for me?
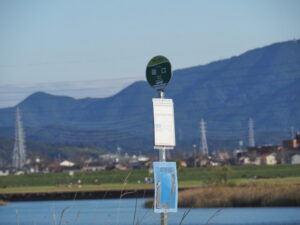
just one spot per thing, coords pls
(162, 158)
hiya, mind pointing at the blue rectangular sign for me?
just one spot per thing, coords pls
(166, 187)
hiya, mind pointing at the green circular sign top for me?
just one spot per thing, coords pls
(159, 72)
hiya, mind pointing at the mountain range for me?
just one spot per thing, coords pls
(262, 84)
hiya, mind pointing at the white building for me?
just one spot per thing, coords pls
(295, 159)
(67, 163)
(268, 159)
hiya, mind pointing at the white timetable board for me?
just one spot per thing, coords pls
(164, 126)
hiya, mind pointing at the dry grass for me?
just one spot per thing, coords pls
(244, 195)
(2, 203)
(241, 196)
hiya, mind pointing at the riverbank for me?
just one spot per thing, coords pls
(80, 193)
(77, 195)
(128, 184)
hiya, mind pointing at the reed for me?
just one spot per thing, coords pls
(257, 195)
(2, 203)
(241, 196)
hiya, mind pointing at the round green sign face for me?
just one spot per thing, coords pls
(159, 72)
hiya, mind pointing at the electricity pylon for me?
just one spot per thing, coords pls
(19, 151)
(251, 141)
(203, 141)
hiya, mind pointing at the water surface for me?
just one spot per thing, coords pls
(131, 211)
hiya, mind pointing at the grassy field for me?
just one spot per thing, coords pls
(240, 172)
(64, 179)
(74, 188)
(108, 180)
(212, 187)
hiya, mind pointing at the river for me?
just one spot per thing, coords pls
(131, 211)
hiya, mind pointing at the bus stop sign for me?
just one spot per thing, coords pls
(159, 72)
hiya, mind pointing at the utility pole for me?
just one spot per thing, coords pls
(203, 141)
(19, 151)
(251, 141)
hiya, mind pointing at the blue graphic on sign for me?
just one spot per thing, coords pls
(166, 187)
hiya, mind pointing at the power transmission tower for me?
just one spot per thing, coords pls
(241, 143)
(19, 151)
(251, 141)
(195, 155)
(292, 132)
(203, 142)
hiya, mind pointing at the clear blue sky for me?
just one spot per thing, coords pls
(68, 40)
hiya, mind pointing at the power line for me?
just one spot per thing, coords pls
(113, 81)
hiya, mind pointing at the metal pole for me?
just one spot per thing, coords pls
(162, 158)
(162, 155)
(164, 219)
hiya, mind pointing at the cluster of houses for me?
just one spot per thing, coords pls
(103, 162)
(287, 153)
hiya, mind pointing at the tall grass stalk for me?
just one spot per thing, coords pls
(17, 217)
(185, 215)
(147, 216)
(62, 214)
(122, 195)
(216, 213)
(135, 208)
(53, 217)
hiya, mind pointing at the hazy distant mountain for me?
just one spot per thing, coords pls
(12, 94)
(263, 84)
